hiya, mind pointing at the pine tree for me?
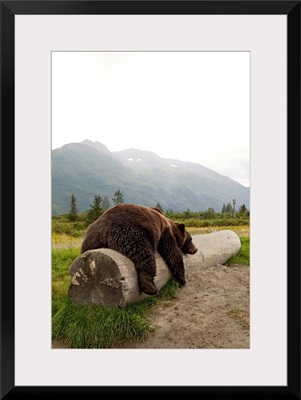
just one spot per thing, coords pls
(95, 210)
(105, 203)
(229, 208)
(158, 205)
(243, 210)
(118, 198)
(72, 216)
(233, 209)
(187, 213)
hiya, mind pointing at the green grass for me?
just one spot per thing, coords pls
(62, 259)
(83, 326)
(86, 326)
(61, 262)
(243, 257)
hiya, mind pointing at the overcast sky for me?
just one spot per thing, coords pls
(191, 106)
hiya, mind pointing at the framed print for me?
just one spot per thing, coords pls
(187, 67)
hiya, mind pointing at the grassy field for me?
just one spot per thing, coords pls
(62, 240)
(243, 230)
(98, 327)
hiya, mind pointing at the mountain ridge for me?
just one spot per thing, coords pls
(88, 168)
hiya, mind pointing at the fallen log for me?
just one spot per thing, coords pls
(106, 277)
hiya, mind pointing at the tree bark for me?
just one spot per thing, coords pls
(106, 277)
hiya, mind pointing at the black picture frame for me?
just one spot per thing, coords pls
(9, 9)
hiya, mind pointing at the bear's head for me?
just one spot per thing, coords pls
(184, 240)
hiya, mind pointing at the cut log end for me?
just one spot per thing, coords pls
(95, 279)
(106, 277)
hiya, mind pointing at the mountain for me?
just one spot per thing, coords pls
(88, 168)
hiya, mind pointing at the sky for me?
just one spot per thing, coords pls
(190, 106)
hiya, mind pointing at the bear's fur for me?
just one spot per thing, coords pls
(138, 232)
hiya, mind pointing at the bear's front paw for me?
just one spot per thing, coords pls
(147, 285)
(181, 280)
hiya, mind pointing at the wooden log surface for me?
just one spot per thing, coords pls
(106, 277)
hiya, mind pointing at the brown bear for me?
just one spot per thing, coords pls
(138, 232)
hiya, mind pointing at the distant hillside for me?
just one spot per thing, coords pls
(88, 168)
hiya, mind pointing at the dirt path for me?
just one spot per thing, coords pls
(211, 311)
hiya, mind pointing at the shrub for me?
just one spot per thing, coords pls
(75, 229)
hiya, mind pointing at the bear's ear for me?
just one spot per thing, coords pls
(181, 227)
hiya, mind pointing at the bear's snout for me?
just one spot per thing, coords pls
(192, 251)
(189, 249)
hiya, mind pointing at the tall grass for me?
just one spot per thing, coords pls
(85, 326)
(61, 262)
(91, 326)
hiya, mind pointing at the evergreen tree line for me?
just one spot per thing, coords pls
(99, 206)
